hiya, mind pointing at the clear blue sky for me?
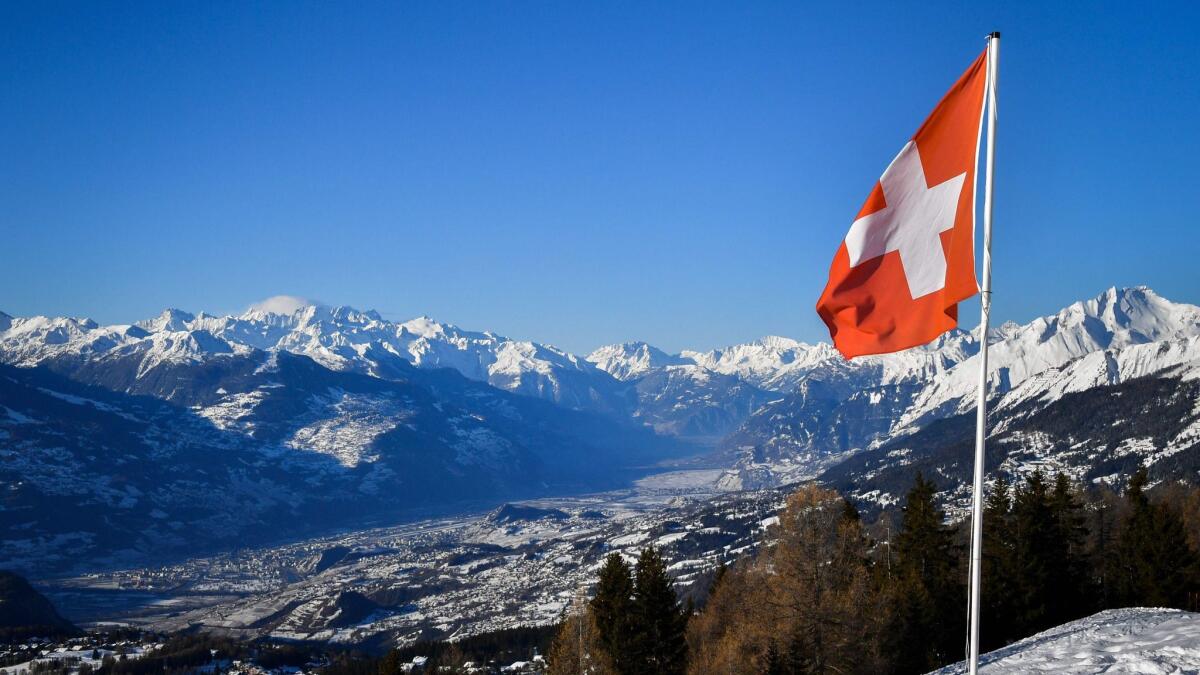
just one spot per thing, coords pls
(575, 173)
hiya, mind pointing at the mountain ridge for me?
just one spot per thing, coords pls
(770, 400)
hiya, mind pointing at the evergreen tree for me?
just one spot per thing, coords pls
(929, 591)
(1105, 515)
(1157, 566)
(800, 657)
(659, 646)
(451, 661)
(1036, 553)
(998, 609)
(614, 612)
(1069, 586)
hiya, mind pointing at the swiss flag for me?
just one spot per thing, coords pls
(909, 257)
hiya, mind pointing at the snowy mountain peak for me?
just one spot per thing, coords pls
(284, 305)
(350, 314)
(169, 320)
(772, 362)
(1003, 331)
(780, 343)
(426, 327)
(1131, 315)
(631, 360)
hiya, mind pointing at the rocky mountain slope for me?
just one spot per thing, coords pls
(252, 446)
(1095, 435)
(25, 613)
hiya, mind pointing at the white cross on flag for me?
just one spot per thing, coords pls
(908, 259)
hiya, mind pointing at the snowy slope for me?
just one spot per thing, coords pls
(692, 401)
(1132, 640)
(1115, 319)
(1180, 357)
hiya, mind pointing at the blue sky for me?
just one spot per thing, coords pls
(575, 173)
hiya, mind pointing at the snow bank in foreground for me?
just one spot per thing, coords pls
(1132, 640)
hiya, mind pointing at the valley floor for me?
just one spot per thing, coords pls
(517, 565)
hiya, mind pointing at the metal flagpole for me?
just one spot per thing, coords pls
(985, 294)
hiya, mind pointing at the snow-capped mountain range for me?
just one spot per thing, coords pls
(706, 394)
(841, 407)
(379, 402)
(339, 338)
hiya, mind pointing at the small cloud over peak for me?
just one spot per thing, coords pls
(282, 304)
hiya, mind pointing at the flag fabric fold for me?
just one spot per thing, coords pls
(908, 258)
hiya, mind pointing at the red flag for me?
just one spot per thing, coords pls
(909, 257)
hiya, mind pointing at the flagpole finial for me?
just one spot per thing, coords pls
(994, 34)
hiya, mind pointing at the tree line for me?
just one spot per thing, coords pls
(831, 594)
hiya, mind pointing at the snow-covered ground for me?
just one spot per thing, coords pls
(1133, 640)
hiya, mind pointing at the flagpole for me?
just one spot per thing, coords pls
(985, 294)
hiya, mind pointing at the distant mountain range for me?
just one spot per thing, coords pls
(154, 447)
(191, 427)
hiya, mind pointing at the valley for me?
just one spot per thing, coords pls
(516, 565)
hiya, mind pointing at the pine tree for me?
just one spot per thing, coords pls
(1068, 585)
(1036, 554)
(998, 574)
(1105, 516)
(929, 590)
(659, 646)
(614, 611)
(1157, 566)
(452, 661)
